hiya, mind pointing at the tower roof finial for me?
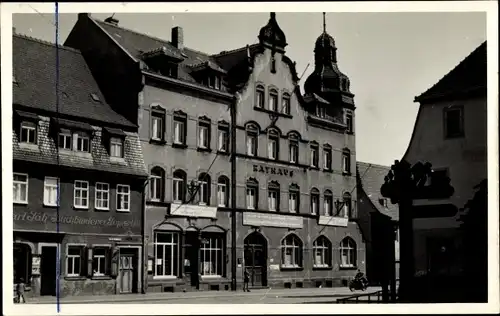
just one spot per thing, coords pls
(324, 22)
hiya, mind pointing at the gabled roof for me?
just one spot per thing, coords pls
(372, 178)
(468, 75)
(34, 66)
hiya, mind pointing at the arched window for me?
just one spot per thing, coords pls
(285, 104)
(328, 203)
(293, 148)
(346, 161)
(291, 252)
(273, 144)
(293, 198)
(157, 184)
(347, 253)
(314, 201)
(273, 100)
(204, 184)
(179, 186)
(327, 157)
(259, 96)
(322, 248)
(222, 191)
(347, 209)
(273, 196)
(252, 194)
(252, 140)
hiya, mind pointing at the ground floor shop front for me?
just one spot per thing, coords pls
(191, 249)
(62, 264)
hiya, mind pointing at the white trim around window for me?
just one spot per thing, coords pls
(81, 194)
(51, 191)
(122, 198)
(76, 268)
(102, 196)
(20, 183)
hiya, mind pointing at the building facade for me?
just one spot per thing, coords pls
(78, 179)
(450, 133)
(294, 157)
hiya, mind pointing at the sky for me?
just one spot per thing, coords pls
(389, 57)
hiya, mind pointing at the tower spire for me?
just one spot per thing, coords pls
(324, 22)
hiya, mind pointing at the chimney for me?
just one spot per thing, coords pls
(82, 16)
(178, 37)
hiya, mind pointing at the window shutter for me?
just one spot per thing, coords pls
(83, 261)
(89, 257)
(115, 254)
(108, 261)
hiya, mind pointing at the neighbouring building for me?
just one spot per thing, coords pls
(378, 219)
(450, 133)
(78, 176)
(295, 156)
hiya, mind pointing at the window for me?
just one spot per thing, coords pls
(222, 191)
(214, 82)
(74, 261)
(204, 135)
(273, 196)
(100, 261)
(273, 145)
(314, 156)
(122, 197)
(252, 141)
(65, 139)
(102, 196)
(158, 125)
(320, 111)
(82, 142)
(293, 199)
(204, 188)
(293, 149)
(453, 121)
(291, 252)
(179, 186)
(347, 253)
(28, 133)
(322, 252)
(314, 201)
(348, 122)
(211, 255)
(156, 186)
(285, 106)
(347, 209)
(252, 194)
(273, 64)
(328, 203)
(20, 194)
(346, 161)
(180, 130)
(116, 147)
(166, 254)
(259, 96)
(327, 157)
(223, 139)
(50, 191)
(273, 100)
(81, 194)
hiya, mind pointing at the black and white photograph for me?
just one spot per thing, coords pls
(263, 153)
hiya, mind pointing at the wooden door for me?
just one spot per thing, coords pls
(126, 273)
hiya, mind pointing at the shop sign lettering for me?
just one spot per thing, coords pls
(74, 220)
(273, 170)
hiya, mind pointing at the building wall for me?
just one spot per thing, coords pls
(464, 157)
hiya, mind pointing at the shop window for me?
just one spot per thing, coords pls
(102, 196)
(273, 196)
(252, 194)
(123, 198)
(285, 107)
(293, 198)
(20, 194)
(328, 203)
(314, 156)
(211, 255)
(101, 261)
(291, 252)
(259, 96)
(347, 253)
(28, 133)
(22, 256)
(75, 261)
(166, 254)
(204, 184)
(327, 157)
(156, 184)
(314, 201)
(81, 194)
(222, 191)
(179, 186)
(322, 249)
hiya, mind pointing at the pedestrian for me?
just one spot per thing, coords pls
(20, 288)
(246, 279)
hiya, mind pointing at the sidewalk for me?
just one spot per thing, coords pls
(306, 292)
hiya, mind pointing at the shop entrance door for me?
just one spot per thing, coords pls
(191, 265)
(128, 268)
(48, 270)
(256, 259)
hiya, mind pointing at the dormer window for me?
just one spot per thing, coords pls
(320, 111)
(28, 133)
(73, 135)
(65, 139)
(273, 100)
(259, 97)
(116, 147)
(213, 81)
(82, 142)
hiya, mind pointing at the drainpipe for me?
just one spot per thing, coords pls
(144, 265)
(233, 194)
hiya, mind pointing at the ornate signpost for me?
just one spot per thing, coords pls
(403, 184)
